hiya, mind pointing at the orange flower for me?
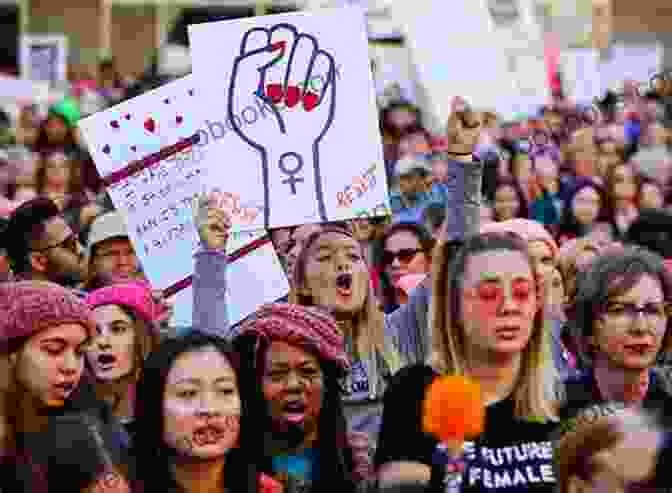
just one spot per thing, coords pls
(453, 409)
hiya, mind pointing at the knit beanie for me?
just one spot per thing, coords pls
(135, 295)
(309, 327)
(28, 307)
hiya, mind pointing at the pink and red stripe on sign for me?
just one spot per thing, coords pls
(238, 254)
(150, 160)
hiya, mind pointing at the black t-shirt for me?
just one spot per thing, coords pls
(511, 455)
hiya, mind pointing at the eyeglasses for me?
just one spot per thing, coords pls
(626, 313)
(493, 292)
(70, 243)
(405, 255)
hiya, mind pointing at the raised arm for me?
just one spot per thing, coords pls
(209, 283)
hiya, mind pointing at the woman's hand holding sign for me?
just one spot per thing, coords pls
(213, 222)
(280, 66)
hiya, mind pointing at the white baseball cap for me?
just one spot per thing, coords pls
(105, 227)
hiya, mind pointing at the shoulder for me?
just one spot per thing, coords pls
(410, 382)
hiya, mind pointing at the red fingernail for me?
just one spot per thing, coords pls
(280, 45)
(292, 97)
(310, 100)
(274, 92)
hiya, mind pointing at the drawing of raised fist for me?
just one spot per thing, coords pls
(295, 81)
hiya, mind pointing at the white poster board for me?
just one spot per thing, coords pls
(457, 53)
(19, 90)
(635, 62)
(147, 151)
(44, 58)
(292, 100)
(581, 74)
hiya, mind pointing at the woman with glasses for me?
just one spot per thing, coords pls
(403, 258)
(622, 324)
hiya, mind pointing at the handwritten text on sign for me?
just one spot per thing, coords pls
(147, 148)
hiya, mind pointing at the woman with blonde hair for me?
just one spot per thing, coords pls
(488, 324)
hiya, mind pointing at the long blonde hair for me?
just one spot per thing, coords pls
(368, 329)
(449, 352)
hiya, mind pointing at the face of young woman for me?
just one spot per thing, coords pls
(586, 206)
(557, 287)
(57, 169)
(624, 186)
(292, 386)
(51, 362)
(499, 302)
(403, 256)
(201, 406)
(651, 197)
(112, 354)
(507, 203)
(630, 333)
(542, 258)
(336, 275)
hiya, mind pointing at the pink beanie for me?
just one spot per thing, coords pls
(28, 307)
(135, 295)
(306, 326)
(526, 229)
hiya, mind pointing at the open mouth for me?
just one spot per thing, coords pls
(106, 361)
(208, 435)
(64, 389)
(344, 284)
(507, 332)
(295, 411)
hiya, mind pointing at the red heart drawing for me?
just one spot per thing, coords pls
(127, 116)
(310, 100)
(178, 119)
(106, 149)
(150, 125)
(114, 124)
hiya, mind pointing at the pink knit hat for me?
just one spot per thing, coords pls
(526, 229)
(306, 326)
(135, 295)
(28, 307)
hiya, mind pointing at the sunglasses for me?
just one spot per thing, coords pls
(405, 255)
(492, 292)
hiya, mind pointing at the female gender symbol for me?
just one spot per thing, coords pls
(291, 181)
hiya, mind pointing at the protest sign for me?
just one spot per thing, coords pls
(13, 89)
(44, 58)
(145, 150)
(460, 52)
(630, 62)
(580, 70)
(296, 91)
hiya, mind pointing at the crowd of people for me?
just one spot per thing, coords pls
(533, 257)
